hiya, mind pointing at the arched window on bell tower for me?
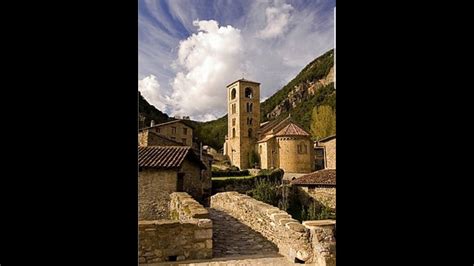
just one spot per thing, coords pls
(248, 93)
(232, 94)
(233, 132)
(250, 132)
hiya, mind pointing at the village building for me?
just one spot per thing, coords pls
(319, 187)
(176, 130)
(325, 153)
(277, 144)
(151, 138)
(167, 169)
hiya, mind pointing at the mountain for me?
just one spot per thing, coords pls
(148, 112)
(313, 86)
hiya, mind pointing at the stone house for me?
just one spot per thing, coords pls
(151, 138)
(279, 143)
(319, 186)
(167, 169)
(325, 153)
(176, 130)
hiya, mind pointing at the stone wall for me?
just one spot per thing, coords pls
(154, 187)
(323, 195)
(187, 236)
(290, 159)
(291, 237)
(192, 179)
(323, 240)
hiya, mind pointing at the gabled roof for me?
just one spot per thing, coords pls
(321, 177)
(272, 124)
(327, 138)
(170, 122)
(166, 157)
(292, 130)
(244, 80)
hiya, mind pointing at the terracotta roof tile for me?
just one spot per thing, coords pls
(321, 177)
(162, 156)
(292, 130)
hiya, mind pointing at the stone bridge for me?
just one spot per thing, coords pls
(246, 231)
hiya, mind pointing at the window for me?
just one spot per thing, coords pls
(233, 121)
(232, 94)
(248, 93)
(233, 132)
(184, 141)
(249, 107)
(251, 120)
(173, 130)
(250, 132)
(233, 108)
(260, 149)
(185, 131)
(302, 148)
(157, 130)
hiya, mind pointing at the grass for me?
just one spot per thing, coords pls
(232, 177)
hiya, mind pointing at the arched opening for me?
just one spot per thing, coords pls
(251, 107)
(233, 132)
(248, 93)
(232, 94)
(250, 122)
(250, 132)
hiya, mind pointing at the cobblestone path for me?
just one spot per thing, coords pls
(232, 238)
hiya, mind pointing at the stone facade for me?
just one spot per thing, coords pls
(243, 121)
(290, 159)
(154, 188)
(187, 236)
(175, 130)
(150, 138)
(291, 237)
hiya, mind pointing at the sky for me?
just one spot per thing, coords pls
(189, 50)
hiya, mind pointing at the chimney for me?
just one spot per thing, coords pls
(152, 123)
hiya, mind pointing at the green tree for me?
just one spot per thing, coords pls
(323, 122)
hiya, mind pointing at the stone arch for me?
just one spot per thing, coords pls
(233, 94)
(248, 93)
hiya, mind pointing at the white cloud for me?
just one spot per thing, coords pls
(150, 89)
(193, 60)
(277, 18)
(207, 60)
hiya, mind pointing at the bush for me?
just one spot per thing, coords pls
(265, 191)
(230, 173)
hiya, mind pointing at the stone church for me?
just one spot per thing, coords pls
(279, 143)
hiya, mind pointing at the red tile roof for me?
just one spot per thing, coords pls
(165, 156)
(321, 177)
(292, 130)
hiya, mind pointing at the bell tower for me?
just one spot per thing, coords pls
(243, 121)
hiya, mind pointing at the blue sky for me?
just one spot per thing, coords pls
(189, 50)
